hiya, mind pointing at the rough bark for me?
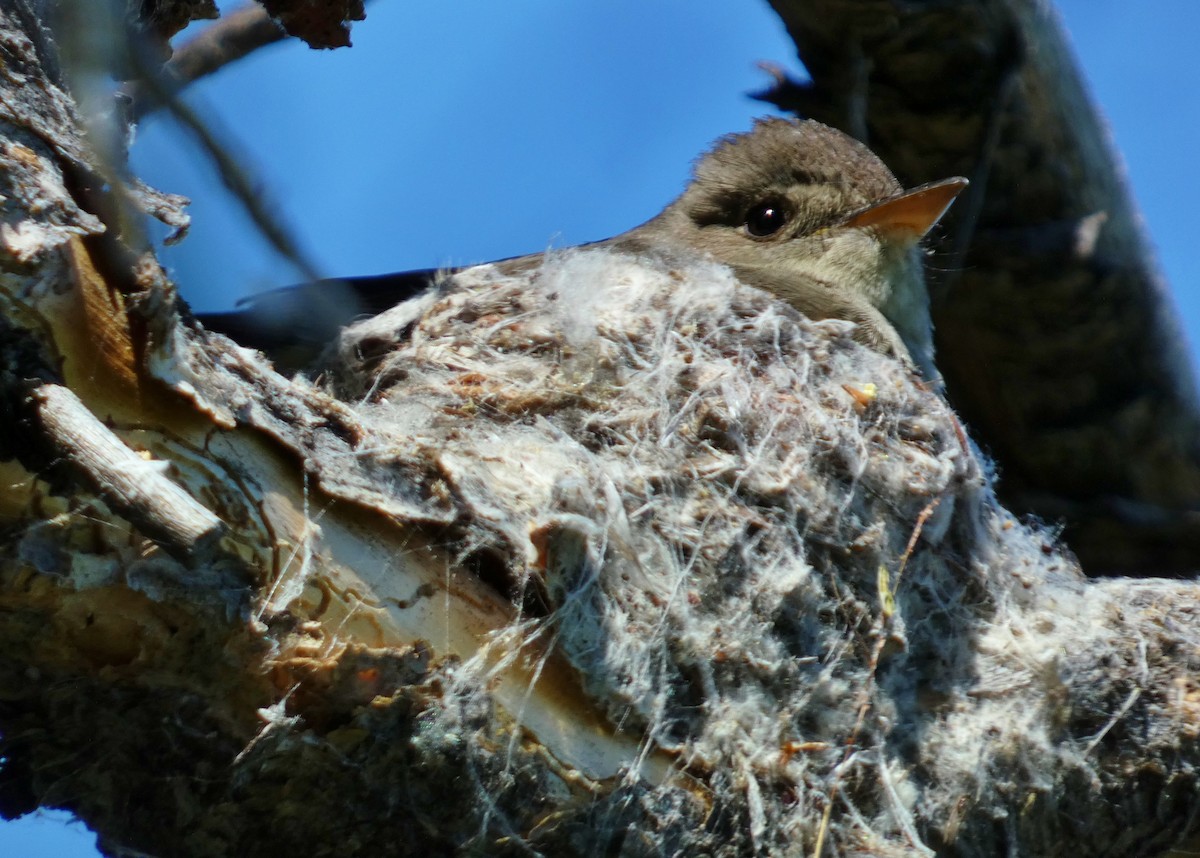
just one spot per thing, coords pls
(681, 574)
(1056, 335)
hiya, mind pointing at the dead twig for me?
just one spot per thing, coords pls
(235, 36)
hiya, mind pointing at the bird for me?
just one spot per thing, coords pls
(793, 207)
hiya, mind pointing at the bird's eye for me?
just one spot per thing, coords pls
(766, 219)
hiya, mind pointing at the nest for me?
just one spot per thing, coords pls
(766, 550)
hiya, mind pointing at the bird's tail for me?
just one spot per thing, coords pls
(293, 325)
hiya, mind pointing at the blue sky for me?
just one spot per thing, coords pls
(458, 133)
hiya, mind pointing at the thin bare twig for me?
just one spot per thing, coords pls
(236, 35)
(232, 174)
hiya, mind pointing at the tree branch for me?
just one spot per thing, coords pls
(616, 556)
(236, 35)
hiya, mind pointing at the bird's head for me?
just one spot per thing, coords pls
(802, 209)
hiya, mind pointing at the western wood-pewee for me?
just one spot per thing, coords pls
(793, 207)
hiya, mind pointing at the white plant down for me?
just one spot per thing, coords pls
(770, 554)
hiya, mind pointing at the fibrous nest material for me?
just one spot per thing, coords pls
(766, 552)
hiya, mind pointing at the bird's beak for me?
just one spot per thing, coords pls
(907, 217)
